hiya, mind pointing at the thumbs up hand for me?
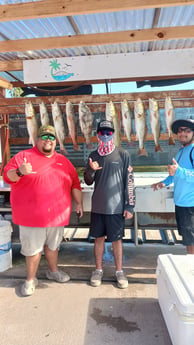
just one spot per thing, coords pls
(173, 168)
(26, 168)
(94, 165)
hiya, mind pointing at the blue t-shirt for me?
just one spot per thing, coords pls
(184, 177)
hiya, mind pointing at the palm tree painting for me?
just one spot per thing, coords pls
(58, 73)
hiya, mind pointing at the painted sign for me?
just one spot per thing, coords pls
(114, 66)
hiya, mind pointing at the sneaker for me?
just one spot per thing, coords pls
(96, 278)
(28, 287)
(122, 281)
(58, 276)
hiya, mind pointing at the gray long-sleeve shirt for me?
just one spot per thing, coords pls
(113, 184)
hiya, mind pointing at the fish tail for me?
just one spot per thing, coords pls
(142, 152)
(171, 141)
(76, 147)
(130, 143)
(158, 148)
(89, 146)
(63, 150)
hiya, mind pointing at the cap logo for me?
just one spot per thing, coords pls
(105, 124)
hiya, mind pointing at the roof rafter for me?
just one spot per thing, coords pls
(155, 34)
(58, 8)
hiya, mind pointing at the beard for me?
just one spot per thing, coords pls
(186, 142)
(47, 151)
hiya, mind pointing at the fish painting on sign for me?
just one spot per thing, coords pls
(71, 123)
(31, 123)
(59, 126)
(140, 126)
(155, 122)
(169, 117)
(86, 122)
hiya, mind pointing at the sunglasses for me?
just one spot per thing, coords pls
(186, 130)
(47, 136)
(105, 132)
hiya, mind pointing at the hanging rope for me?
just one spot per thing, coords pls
(6, 142)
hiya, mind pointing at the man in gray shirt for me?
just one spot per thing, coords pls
(113, 199)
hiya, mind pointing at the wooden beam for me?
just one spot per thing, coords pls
(100, 81)
(132, 36)
(97, 103)
(14, 65)
(5, 84)
(58, 8)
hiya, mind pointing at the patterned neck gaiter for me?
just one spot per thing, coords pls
(106, 145)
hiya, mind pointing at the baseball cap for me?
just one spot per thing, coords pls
(47, 129)
(105, 125)
(189, 123)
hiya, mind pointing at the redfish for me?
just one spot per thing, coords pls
(86, 122)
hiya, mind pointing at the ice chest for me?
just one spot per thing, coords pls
(175, 282)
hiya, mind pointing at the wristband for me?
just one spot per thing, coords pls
(18, 172)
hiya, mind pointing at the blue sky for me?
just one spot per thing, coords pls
(130, 87)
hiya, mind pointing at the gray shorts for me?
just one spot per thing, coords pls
(34, 239)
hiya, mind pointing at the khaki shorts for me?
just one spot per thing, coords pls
(33, 239)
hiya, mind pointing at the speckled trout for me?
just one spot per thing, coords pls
(169, 117)
(31, 123)
(44, 116)
(126, 119)
(140, 126)
(111, 115)
(71, 123)
(59, 126)
(155, 122)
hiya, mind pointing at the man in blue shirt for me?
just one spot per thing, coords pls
(181, 173)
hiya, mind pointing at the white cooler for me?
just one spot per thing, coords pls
(175, 281)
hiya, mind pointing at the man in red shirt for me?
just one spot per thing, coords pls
(42, 182)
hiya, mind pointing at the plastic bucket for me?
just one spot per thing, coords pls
(5, 245)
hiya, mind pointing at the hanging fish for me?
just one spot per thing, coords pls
(59, 126)
(140, 126)
(31, 123)
(71, 124)
(44, 116)
(111, 115)
(169, 117)
(107, 112)
(155, 122)
(86, 121)
(126, 119)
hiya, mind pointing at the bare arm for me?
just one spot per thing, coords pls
(24, 169)
(12, 176)
(158, 185)
(77, 196)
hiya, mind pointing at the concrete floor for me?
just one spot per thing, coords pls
(76, 313)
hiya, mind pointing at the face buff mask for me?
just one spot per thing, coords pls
(106, 145)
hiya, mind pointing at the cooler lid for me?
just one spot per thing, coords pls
(179, 275)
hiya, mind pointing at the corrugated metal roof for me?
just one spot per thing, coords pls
(94, 23)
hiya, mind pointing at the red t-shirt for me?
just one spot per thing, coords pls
(42, 199)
